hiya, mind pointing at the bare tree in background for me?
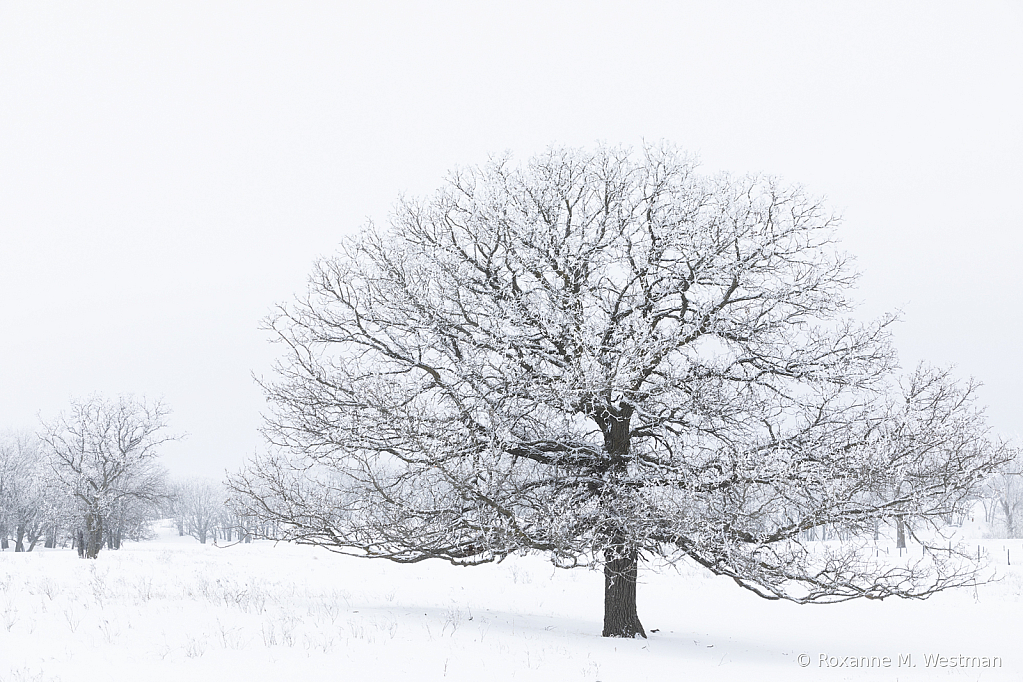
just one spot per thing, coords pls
(200, 508)
(24, 491)
(1003, 499)
(104, 456)
(605, 356)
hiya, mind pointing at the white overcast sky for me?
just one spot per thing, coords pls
(169, 170)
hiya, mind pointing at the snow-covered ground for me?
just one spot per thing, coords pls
(172, 609)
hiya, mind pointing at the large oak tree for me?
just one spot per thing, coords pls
(604, 356)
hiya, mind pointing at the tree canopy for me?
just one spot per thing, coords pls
(606, 355)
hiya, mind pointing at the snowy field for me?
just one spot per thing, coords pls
(172, 609)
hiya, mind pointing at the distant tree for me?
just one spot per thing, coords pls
(23, 491)
(605, 356)
(1004, 495)
(233, 528)
(104, 457)
(130, 518)
(199, 508)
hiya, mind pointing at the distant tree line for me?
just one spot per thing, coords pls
(199, 509)
(38, 506)
(1003, 501)
(90, 479)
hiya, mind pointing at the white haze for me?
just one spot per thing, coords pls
(170, 170)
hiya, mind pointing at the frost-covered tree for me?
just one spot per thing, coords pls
(199, 508)
(104, 457)
(605, 356)
(24, 491)
(131, 518)
(1003, 498)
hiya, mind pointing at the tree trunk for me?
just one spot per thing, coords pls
(621, 559)
(900, 541)
(620, 616)
(93, 537)
(1007, 509)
